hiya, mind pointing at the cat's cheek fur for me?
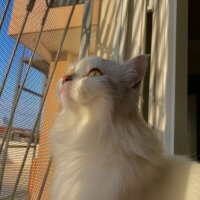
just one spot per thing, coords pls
(73, 92)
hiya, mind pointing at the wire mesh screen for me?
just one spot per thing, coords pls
(35, 50)
(21, 96)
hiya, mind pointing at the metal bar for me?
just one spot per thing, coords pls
(36, 138)
(44, 98)
(18, 79)
(47, 3)
(86, 29)
(32, 163)
(28, 10)
(30, 5)
(32, 92)
(19, 146)
(7, 135)
(44, 179)
(60, 3)
(4, 13)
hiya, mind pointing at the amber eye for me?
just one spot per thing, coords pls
(94, 72)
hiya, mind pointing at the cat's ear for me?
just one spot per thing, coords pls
(135, 70)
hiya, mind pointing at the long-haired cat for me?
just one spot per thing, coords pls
(102, 147)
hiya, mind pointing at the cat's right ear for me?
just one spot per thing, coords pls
(135, 70)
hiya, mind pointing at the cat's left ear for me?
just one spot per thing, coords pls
(135, 70)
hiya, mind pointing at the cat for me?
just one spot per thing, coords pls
(102, 147)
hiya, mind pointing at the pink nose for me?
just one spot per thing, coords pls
(66, 78)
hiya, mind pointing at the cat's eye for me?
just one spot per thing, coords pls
(94, 72)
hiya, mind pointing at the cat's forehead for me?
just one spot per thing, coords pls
(86, 64)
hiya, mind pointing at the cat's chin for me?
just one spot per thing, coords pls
(91, 105)
(67, 102)
(70, 104)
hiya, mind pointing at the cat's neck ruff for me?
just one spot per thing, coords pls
(96, 126)
(101, 146)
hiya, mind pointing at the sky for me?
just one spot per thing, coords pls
(28, 106)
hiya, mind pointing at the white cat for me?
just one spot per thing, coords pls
(102, 147)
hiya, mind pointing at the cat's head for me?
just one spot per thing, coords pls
(94, 81)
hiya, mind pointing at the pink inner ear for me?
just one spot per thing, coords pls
(140, 65)
(137, 67)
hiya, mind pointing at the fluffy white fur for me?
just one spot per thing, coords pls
(102, 147)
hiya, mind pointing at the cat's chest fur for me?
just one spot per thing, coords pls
(86, 169)
(92, 163)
